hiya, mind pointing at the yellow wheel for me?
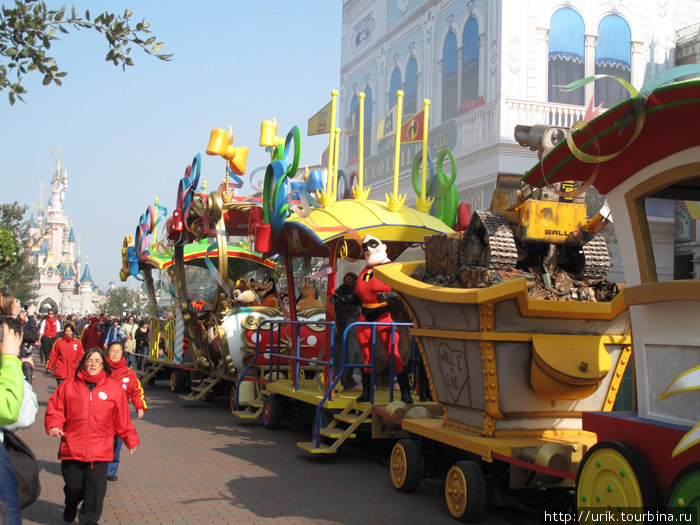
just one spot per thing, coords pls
(406, 465)
(612, 475)
(465, 491)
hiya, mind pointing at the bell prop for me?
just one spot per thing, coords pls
(221, 144)
(268, 134)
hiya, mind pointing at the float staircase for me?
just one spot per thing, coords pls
(204, 387)
(336, 435)
(149, 373)
(253, 410)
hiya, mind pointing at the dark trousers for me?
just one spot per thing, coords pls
(86, 482)
(46, 344)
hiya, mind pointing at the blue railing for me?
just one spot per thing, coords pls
(275, 356)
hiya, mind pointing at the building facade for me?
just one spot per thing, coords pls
(62, 286)
(489, 65)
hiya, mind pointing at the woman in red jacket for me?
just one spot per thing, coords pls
(66, 353)
(126, 377)
(86, 411)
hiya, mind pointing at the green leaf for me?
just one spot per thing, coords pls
(59, 15)
(127, 13)
(87, 14)
(149, 41)
(47, 80)
(157, 47)
(11, 52)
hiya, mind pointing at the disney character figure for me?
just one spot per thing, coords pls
(265, 291)
(243, 294)
(374, 295)
(308, 298)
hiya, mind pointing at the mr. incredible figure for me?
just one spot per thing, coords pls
(374, 295)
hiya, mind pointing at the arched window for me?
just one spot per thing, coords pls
(449, 77)
(470, 61)
(352, 126)
(566, 52)
(368, 121)
(394, 86)
(613, 56)
(410, 101)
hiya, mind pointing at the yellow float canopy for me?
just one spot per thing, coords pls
(310, 235)
(240, 260)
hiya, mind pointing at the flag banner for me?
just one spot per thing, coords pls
(412, 130)
(387, 125)
(320, 123)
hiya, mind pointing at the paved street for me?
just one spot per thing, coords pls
(196, 464)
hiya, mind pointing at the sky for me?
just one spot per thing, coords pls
(127, 136)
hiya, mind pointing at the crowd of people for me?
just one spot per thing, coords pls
(92, 360)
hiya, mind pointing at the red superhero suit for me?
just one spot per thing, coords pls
(372, 293)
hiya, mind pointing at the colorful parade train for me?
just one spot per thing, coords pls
(523, 388)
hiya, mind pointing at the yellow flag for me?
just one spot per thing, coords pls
(320, 123)
(387, 125)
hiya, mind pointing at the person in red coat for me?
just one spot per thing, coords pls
(93, 336)
(373, 295)
(65, 355)
(86, 411)
(126, 377)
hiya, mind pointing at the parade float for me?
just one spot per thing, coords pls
(527, 385)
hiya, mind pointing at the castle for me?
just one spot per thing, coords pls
(61, 284)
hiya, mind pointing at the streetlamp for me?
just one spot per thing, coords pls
(124, 312)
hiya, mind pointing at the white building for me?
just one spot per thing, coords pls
(61, 284)
(487, 65)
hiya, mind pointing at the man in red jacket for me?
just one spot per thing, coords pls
(92, 336)
(86, 411)
(48, 331)
(126, 377)
(65, 355)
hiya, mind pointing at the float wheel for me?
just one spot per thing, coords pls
(465, 491)
(406, 465)
(613, 475)
(685, 488)
(178, 381)
(273, 412)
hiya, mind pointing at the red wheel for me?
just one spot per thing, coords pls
(273, 412)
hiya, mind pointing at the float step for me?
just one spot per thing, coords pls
(246, 414)
(310, 446)
(352, 418)
(335, 433)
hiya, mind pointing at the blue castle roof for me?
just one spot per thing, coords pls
(71, 236)
(86, 278)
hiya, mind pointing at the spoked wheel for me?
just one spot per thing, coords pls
(613, 475)
(406, 465)
(273, 412)
(465, 491)
(178, 380)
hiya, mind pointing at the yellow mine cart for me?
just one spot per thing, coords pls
(514, 376)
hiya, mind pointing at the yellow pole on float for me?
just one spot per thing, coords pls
(155, 228)
(331, 145)
(395, 201)
(423, 203)
(334, 195)
(361, 146)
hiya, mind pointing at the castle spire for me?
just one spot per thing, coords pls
(41, 197)
(57, 175)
